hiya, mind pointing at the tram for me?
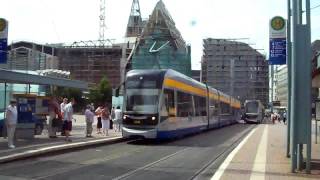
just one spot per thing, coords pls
(163, 104)
(254, 111)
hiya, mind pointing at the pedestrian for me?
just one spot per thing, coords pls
(112, 118)
(118, 119)
(284, 117)
(67, 121)
(278, 117)
(63, 104)
(105, 118)
(89, 120)
(99, 123)
(55, 117)
(273, 117)
(92, 107)
(62, 109)
(11, 122)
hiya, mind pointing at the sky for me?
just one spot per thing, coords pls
(66, 21)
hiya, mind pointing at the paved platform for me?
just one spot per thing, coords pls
(42, 144)
(262, 155)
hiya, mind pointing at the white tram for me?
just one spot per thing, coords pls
(162, 104)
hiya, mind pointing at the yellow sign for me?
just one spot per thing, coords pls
(277, 23)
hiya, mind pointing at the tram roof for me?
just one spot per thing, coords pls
(7, 76)
(178, 76)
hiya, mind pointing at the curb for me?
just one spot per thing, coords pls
(61, 147)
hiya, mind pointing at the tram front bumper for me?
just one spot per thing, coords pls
(148, 134)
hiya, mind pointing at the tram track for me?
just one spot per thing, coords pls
(199, 174)
(130, 173)
(192, 157)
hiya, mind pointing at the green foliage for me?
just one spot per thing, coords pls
(101, 94)
(70, 93)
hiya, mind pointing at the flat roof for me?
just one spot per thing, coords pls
(7, 76)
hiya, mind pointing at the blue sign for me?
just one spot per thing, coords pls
(278, 51)
(3, 50)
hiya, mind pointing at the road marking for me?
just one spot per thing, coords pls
(226, 162)
(259, 166)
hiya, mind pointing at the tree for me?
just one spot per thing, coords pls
(71, 93)
(101, 94)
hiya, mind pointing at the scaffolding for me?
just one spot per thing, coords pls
(161, 46)
(91, 64)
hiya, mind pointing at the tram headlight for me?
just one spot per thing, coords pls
(153, 118)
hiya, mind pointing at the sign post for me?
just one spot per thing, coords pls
(3, 40)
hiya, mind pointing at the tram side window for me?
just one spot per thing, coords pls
(169, 102)
(214, 108)
(184, 108)
(200, 106)
(225, 108)
(197, 105)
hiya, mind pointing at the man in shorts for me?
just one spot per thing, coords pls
(67, 120)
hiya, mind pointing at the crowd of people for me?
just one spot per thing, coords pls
(278, 117)
(64, 113)
(61, 117)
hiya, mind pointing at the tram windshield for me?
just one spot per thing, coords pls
(142, 100)
(252, 107)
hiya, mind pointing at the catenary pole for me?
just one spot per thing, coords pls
(289, 75)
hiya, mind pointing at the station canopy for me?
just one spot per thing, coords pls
(7, 76)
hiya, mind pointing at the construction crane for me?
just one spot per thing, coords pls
(102, 23)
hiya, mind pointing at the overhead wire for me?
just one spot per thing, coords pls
(315, 7)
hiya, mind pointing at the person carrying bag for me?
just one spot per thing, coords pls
(57, 121)
(55, 118)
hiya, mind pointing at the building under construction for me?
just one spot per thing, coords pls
(235, 68)
(91, 63)
(160, 45)
(86, 61)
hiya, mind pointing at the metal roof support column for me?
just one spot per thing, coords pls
(289, 69)
(301, 86)
(309, 80)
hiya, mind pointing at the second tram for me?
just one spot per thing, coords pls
(254, 111)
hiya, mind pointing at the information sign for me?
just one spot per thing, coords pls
(3, 40)
(277, 53)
